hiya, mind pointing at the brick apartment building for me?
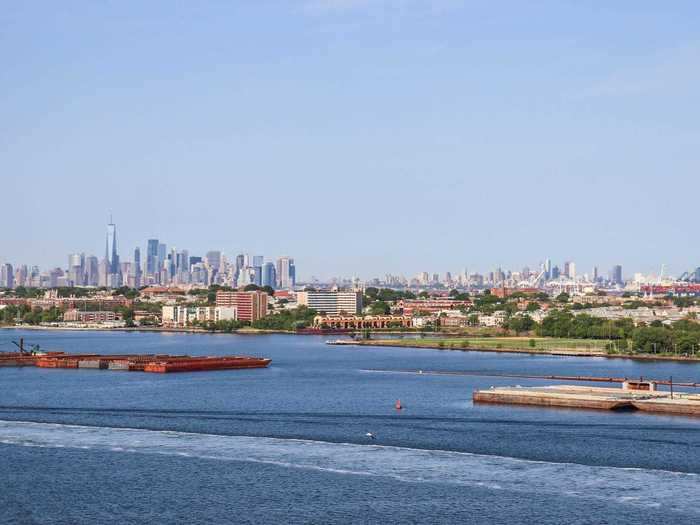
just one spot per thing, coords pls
(250, 306)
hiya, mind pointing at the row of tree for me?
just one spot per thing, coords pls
(681, 337)
(11, 313)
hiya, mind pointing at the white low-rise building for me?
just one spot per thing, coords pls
(188, 315)
(497, 319)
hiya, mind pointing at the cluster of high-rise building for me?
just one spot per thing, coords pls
(162, 266)
(547, 273)
(166, 266)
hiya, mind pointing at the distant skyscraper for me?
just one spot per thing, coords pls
(554, 273)
(595, 274)
(137, 268)
(21, 275)
(547, 267)
(92, 270)
(240, 261)
(246, 276)
(269, 275)
(286, 273)
(183, 262)
(257, 262)
(151, 257)
(103, 273)
(7, 276)
(111, 248)
(162, 253)
(616, 274)
(570, 269)
(214, 259)
(76, 269)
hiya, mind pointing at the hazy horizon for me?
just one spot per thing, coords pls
(361, 137)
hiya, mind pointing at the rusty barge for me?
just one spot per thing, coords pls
(156, 363)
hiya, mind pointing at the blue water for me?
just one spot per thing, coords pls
(287, 444)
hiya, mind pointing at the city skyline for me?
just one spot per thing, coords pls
(261, 272)
(166, 265)
(459, 136)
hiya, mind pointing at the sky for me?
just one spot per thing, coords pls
(362, 137)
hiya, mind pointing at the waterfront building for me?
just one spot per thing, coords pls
(182, 316)
(76, 316)
(331, 303)
(358, 322)
(250, 306)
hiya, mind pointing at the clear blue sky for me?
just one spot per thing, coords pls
(360, 136)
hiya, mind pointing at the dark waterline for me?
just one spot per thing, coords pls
(311, 410)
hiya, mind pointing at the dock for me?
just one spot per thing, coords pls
(634, 395)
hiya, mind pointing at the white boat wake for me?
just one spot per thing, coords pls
(672, 491)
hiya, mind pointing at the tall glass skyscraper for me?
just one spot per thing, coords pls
(152, 257)
(111, 248)
(269, 275)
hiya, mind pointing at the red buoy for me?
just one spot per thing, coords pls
(398, 405)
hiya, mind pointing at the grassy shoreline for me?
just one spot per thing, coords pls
(513, 345)
(493, 346)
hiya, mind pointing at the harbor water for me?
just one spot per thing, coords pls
(289, 444)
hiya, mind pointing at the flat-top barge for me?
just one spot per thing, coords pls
(634, 395)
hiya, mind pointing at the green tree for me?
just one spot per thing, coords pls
(652, 340)
(562, 298)
(532, 306)
(520, 323)
(292, 319)
(379, 308)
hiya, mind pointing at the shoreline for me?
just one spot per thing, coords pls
(554, 352)
(431, 345)
(240, 331)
